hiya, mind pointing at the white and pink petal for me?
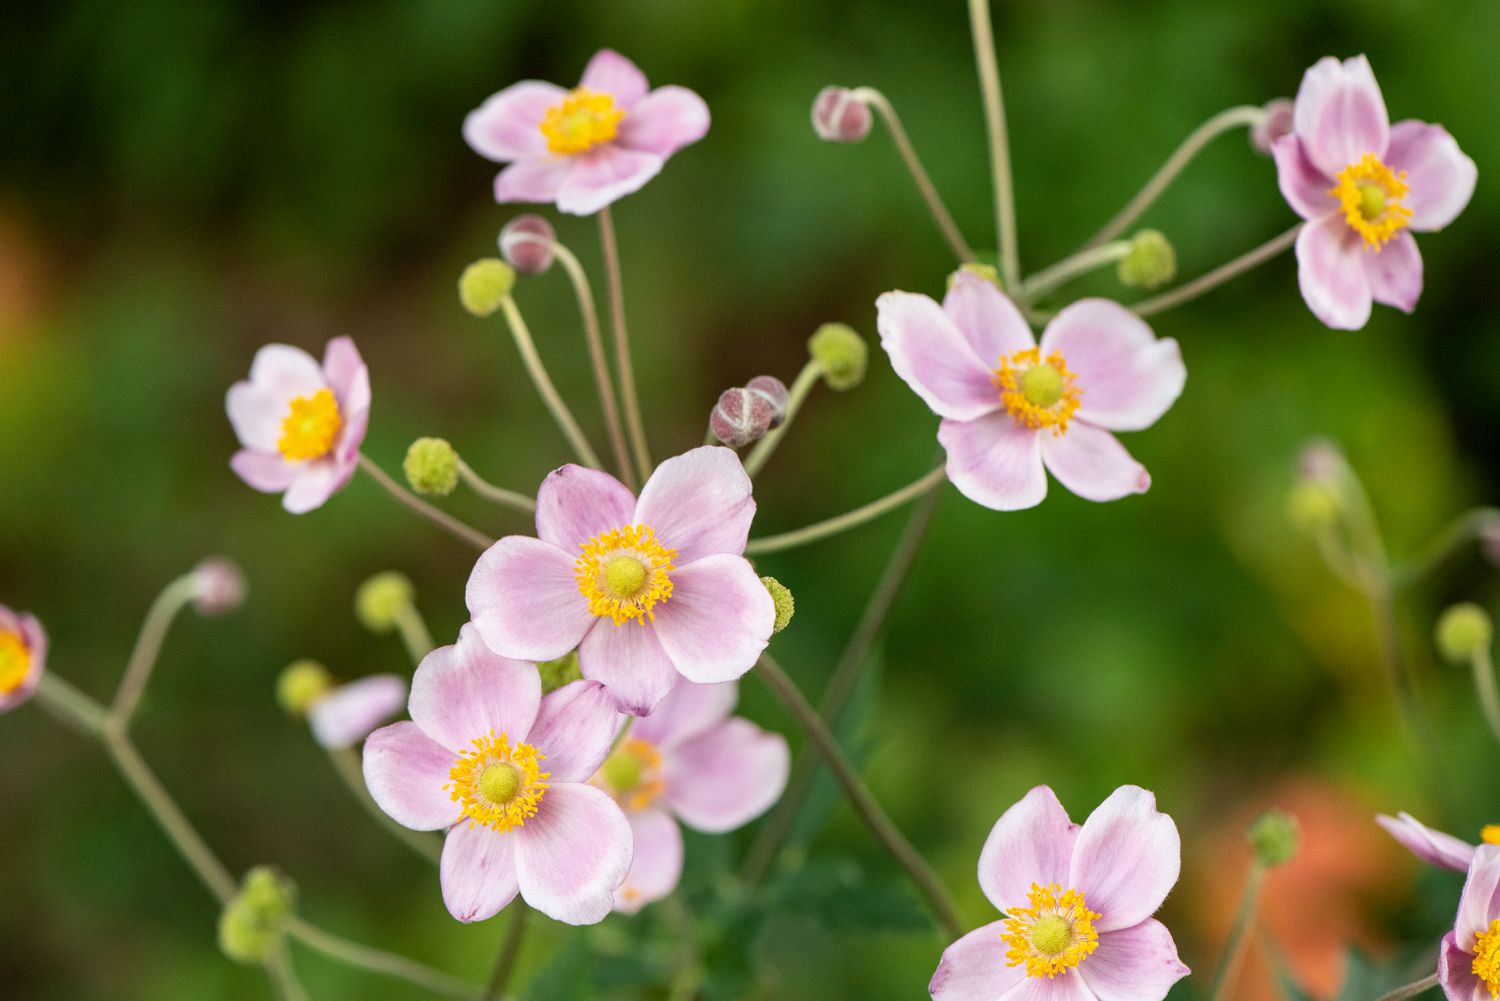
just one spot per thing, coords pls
(690, 710)
(1331, 273)
(1138, 963)
(524, 600)
(935, 359)
(664, 121)
(726, 776)
(1092, 463)
(718, 619)
(465, 692)
(603, 175)
(478, 871)
(574, 730)
(507, 126)
(1128, 377)
(974, 968)
(995, 462)
(573, 854)
(1440, 177)
(406, 772)
(1340, 114)
(1127, 858)
(575, 503)
(629, 661)
(657, 866)
(699, 504)
(1032, 842)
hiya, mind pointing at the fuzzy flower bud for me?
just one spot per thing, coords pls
(220, 586)
(774, 392)
(740, 417)
(1151, 262)
(485, 284)
(381, 599)
(251, 924)
(1277, 123)
(786, 607)
(431, 467)
(1313, 506)
(841, 353)
(1464, 630)
(301, 684)
(839, 116)
(559, 672)
(988, 272)
(528, 256)
(1273, 838)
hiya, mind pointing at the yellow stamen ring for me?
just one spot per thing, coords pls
(1038, 394)
(580, 121)
(15, 661)
(633, 774)
(498, 786)
(1487, 957)
(623, 573)
(1369, 195)
(311, 427)
(1053, 933)
(1490, 834)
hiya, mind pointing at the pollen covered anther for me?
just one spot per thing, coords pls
(1053, 933)
(311, 427)
(498, 786)
(1487, 957)
(623, 573)
(15, 661)
(1038, 393)
(580, 121)
(1369, 195)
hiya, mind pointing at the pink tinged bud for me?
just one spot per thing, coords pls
(1489, 539)
(741, 416)
(839, 116)
(525, 243)
(221, 587)
(1277, 123)
(774, 391)
(1321, 461)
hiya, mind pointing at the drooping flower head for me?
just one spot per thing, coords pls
(689, 761)
(23, 657)
(1364, 186)
(504, 770)
(647, 589)
(1078, 904)
(347, 714)
(1435, 847)
(1013, 408)
(586, 147)
(301, 423)
(1469, 958)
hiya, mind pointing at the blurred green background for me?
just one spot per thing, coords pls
(184, 180)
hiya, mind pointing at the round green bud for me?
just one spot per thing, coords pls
(841, 353)
(301, 684)
(1273, 838)
(785, 605)
(1313, 506)
(379, 602)
(431, 467)
(1464, 630)
(988, 272)
(251, 924)
(485, 284)
(1150, 263)
(562, 671)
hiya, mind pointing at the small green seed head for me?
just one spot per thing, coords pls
(499, 783)
(1150, 263)
(988, 272)
(842, 355)
(1371, 201)
(381, 599)
(786, 606)
(300, 684)
(562, 671)
(485, 284)
(625, 576)
(431, 467)
(623, 771)
(1273, 838)
(1042, 385)
(1051, 934)
(1464, 630)
(251, 924)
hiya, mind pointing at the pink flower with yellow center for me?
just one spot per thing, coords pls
(23, 657)
(1078, 904)
(1435, 847)
(689, 761)
(1364, 186)
(1469, 957)
(301, 423)
(504, 770)
(586, 147)
(1014, 408)
(648, 590)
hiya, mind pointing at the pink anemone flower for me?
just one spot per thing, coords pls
(1013, 409)
(648, 590)
(1078, 902)
(689, 761)
(349, 713)
(505, 770)
(301, 423)
(1435, 847)
(23, 657)
(1364, 186)
(1469, 957)
(586, 147)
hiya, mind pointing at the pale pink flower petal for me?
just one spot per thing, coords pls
(1093, 464)
(936, 360)
(1395, 273)
(313, 483)
(727, 776)
(1305, 187)
(287, 370)
(349, 713)
(611, 73)
(718, 619)
(524, 600)
(1032, 842)
(664, 121)
(995, 462)
(1432, 847)
(1440, 176)
(256, 414)
(466, 691)
(347, 376)
(1127, 858)
(1340, 114)
(974, 969)
(603, 175)
(574, 730)
(1138, 963)
(534, 179)
(575, 504)
(1456, 973)
(508, 125)
(630, 662)
(1332, 274)
(657, 866)
(34, 637)
(573, 854)
(405, 771)
(267, 472)
(478, 871)
(698, 503)
(1128, 377)
(1066, 986)
(688, 711)
(989, 321)
(1478, 905)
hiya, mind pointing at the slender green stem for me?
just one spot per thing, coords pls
(346, 763)
(631, 402)
(173, 599)
(490, 492)
(1484, 683)
(1411, 990)
(778, 826)
(1239, 934)
(1218, 276)
(994, 121)
(1069, 268)
(414, 633)
(848, 520)
(379, 961)
(69, 705)
(441, 519)
(1465, 529)
(284, 978)
(940, 213)
(510, 951)
(875, 818)
(543, 383)
(806, 379)
(1245, 116)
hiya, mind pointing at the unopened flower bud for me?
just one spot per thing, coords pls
(251, 924)
(521, 248)
(1273, 838)
(220, 586)
(785, 605)
(485, 284)
(1150, 263)
(301, 684)
(1322, 460)
(988, 272)
(740, 417)
(1276, 123)
(775, 393)
(1489, 542)
(841, 353)
(1464, 630)
(562, 671)
(839, 116)
(1313, 506)
(431, 467)
(381, 599)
